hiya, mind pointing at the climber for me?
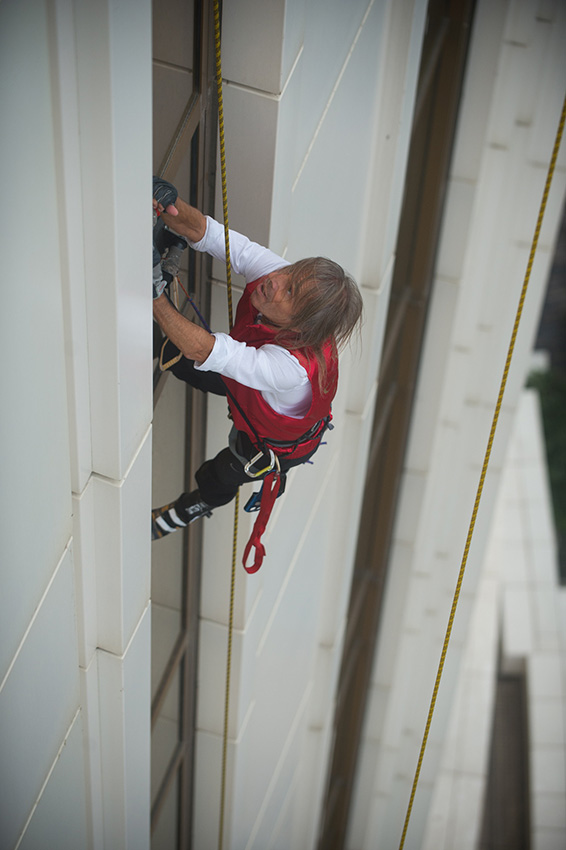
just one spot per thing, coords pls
(278, 366)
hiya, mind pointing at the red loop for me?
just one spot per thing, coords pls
(269, 493)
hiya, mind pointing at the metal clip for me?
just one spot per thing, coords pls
(250, 463)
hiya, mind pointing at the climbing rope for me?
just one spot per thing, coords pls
(237, 500)
(485, 465)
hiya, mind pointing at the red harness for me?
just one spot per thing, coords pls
(285, 436)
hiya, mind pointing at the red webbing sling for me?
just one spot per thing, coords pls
(269, 493)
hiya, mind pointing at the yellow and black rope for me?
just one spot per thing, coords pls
(217, 41)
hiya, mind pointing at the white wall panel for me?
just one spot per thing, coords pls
(287, 158)
(550, 95)
(251, 56)
(84, 547)
(457, 217)
(429, 389)
(287, 540)
(121, 519)
(115, 128)
(35, 506)
(213, 643)
(69, 198)
(401, 29)
(76, 106)
(342, 532)
(38, 700)
(251, 115)
(329, 199)
(489, 21)
(360, 362)
(258, 802)
(208, 765)
(331, 30)
(92, 752)
(60, 818)
(215, 581)
(124, 687)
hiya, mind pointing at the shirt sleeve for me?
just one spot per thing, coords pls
(247, 258)
(271, 369)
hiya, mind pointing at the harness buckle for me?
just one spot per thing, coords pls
(272, 461)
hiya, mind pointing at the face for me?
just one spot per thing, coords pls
(273, 298)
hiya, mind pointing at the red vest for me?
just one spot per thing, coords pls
(268, 424)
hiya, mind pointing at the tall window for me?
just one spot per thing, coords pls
(184, 138)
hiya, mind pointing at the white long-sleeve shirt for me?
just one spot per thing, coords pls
(271, 369)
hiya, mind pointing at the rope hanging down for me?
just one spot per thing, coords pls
(485, 465)
(237, 500)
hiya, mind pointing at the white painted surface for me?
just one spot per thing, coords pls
(124, 688)
(34, 427)
(65, 782)
(38, 700)
(114, 86)
(76, 402)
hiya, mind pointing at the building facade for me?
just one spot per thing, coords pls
(409, 141)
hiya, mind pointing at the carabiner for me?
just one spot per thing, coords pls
(250, 463)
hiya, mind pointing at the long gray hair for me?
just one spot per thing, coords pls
(328, 308)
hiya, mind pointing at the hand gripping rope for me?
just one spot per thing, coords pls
(484, 468)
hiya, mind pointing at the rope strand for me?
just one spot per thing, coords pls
(217, 41)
